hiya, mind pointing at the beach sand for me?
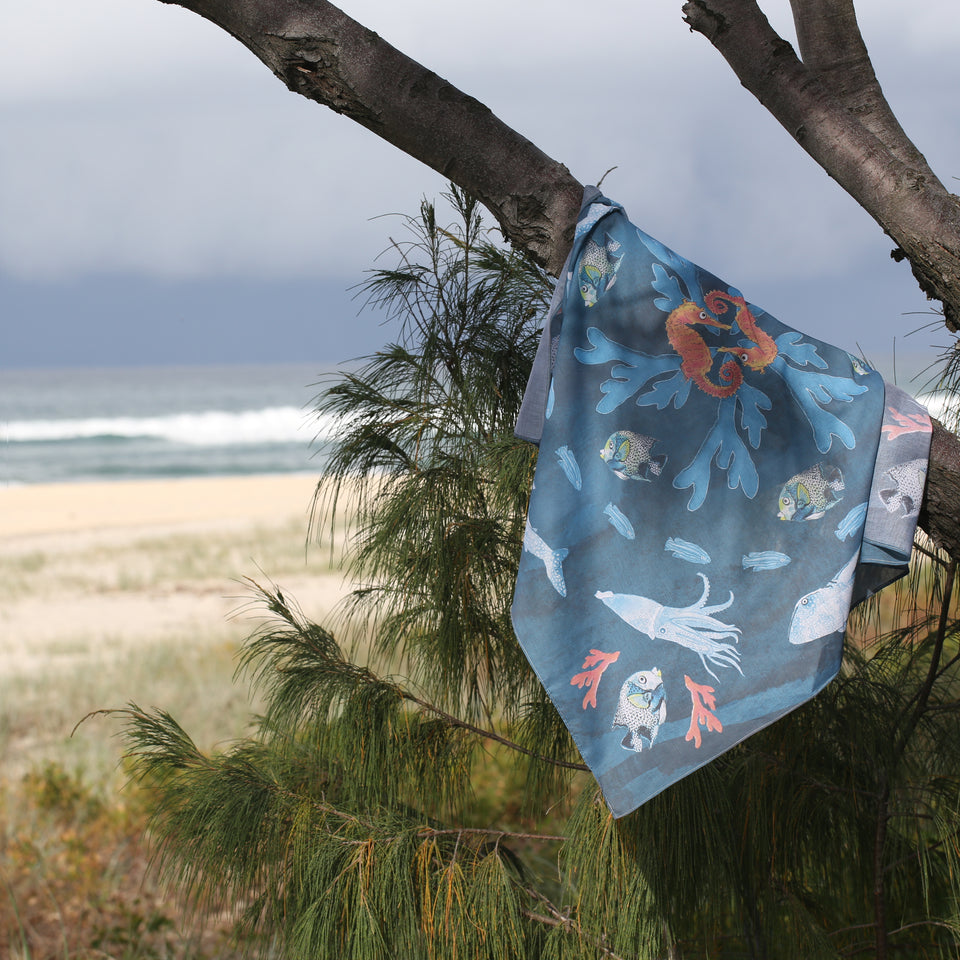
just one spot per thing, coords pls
(135, 590)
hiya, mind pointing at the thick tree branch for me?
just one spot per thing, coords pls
(832, 49)
(940, 513)
(908, 202)
(321, 53)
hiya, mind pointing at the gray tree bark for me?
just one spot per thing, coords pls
(830, 102)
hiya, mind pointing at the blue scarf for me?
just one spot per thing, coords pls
(714, 492)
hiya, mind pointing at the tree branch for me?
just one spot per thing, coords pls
(324, 55)
(832, 49)
(453, 721)
(940, 511)
(905, 198)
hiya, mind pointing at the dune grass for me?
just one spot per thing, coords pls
(90, 622)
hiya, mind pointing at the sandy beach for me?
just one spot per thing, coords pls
(135, 590)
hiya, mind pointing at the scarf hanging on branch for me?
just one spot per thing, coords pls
(714, 492)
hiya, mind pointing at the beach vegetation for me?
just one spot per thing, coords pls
(74, 855)
(422, 798)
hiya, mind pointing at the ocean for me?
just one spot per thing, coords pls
(152, 422)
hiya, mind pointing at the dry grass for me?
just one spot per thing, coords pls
(93, 619)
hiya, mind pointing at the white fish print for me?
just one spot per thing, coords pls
(905, 487)
(569, 465)
(552, 559)
(619, 521)
(685, 550)
(824, 611)
(852, 522)
(765, 560)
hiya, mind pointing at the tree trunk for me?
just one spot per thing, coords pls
(833, 108)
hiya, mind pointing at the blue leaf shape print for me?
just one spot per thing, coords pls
(852, 522)
(752, 402)
(686, 271)
(795, 348)
(568, 462)
(810, 389)
(619, 521)
(669, 286)
(674, 390)
(630, 376)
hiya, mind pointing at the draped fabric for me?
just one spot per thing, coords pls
(714, 491)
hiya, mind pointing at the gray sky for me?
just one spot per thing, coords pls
(164, 199)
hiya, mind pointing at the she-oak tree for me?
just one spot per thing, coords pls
(826, 96)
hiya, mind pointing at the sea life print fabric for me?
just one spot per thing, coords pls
(714, 491)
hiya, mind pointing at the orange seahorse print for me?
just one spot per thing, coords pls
(757, 358)
(696, 355)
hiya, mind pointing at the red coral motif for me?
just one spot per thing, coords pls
(907, 423)
(591, 678)
(700, 716)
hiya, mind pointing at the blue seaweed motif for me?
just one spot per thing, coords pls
(633, 372)
(551, 400)
(810, 389)
(765, 560)
(568, 462)
(685, 550)
(682, 268)
(658, 381)
(674, 390)
(731, 453)
(792, 346)
(619, 521)
(852, 522)
(669, 286)
(752, 401)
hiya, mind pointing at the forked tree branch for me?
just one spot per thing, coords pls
(821, 107)
(832, 49)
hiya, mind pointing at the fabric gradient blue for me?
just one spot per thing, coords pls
(696, 530)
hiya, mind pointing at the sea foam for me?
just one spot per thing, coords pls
(207, 428)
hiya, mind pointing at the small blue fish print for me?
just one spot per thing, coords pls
(571, 468)
(685, 550)
(852, 522)
(619, 522)
(765, 560)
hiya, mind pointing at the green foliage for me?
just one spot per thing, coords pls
(348, 823)
(428, 423)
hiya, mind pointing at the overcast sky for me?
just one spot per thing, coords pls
(164, 199)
